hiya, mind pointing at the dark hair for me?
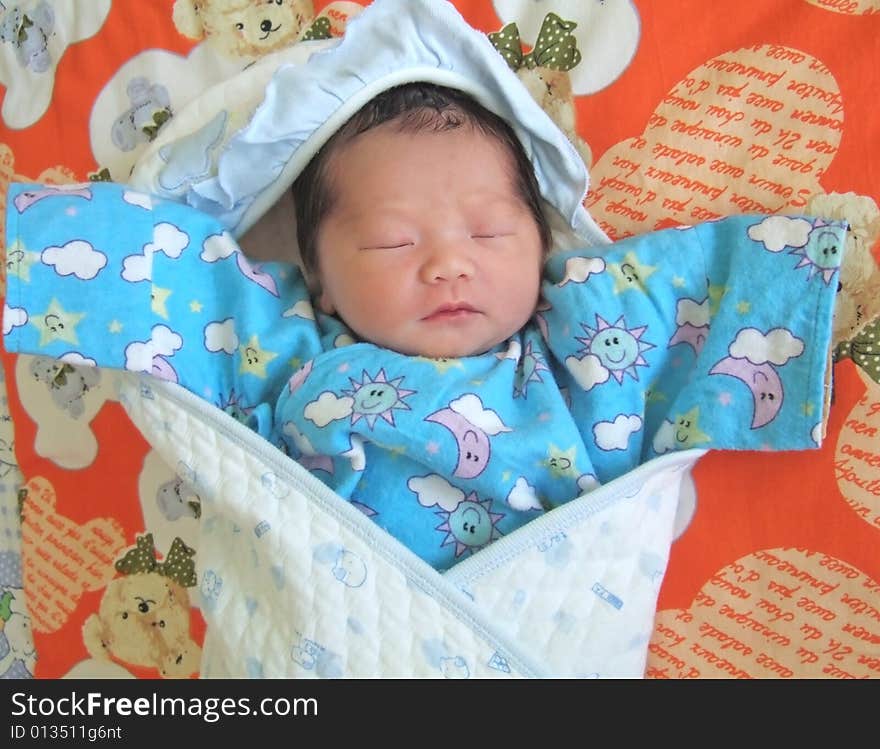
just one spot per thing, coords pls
(415, 107)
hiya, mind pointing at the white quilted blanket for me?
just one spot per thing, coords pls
(296, 582)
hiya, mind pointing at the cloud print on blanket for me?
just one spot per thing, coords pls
(754, 359)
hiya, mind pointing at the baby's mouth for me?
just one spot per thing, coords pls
(453, 311)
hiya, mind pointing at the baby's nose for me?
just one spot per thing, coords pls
(447, 263)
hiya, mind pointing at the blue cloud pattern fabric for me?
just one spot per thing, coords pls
(714, 336)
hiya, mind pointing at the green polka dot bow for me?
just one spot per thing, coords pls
(864, 350)
(178, 565)
(320, 29)
(556, 47)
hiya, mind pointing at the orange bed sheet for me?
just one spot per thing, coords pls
(684, 112)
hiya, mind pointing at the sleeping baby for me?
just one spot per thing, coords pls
(438, 360)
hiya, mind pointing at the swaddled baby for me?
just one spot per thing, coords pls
(435, 364)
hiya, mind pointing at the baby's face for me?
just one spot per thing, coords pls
(428, 249)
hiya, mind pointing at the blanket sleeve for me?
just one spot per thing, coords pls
(713, 336)
(100, 274)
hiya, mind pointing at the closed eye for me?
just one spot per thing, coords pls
(493, 235)
(394, 246)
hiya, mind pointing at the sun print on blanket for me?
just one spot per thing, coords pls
(470, 526)
(611, 349)
(858, 300)
(234, 405)
(376, 397)
(813, 241)
(468, 522)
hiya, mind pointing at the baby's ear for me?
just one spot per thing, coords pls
(318, 295)
(325, 303)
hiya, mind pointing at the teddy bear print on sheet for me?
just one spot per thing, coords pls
(62, 397)
(249, 29)
(15, 619)
(18, 658)
(170, 502)
(148, 593)
(606, 33)
(34, 35)
(545, 71)
(154, 86)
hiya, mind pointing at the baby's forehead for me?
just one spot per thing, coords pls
(386, 165)
(387, 138)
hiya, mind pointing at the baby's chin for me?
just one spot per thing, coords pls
(445, 344)
(460, 349)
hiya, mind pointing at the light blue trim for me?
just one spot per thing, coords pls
(565, 516)
(388, 43)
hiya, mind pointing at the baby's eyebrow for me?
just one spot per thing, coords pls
(377, 214)
(494, 204)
